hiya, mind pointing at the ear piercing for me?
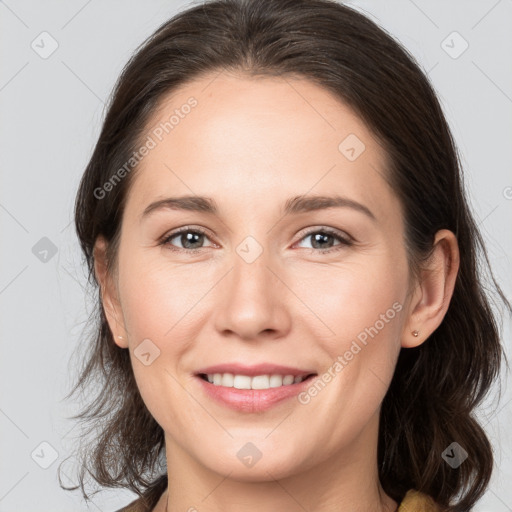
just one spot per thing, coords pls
(120, 337)
(415, 333)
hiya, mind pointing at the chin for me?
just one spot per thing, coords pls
(253, 462)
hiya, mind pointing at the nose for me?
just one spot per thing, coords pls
(252, 301)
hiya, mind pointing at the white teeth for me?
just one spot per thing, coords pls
(288, 379)
(260, 382)
(229, 380)
(275, 381)
(241, 382)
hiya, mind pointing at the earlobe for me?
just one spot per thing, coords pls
(434, 292)
(110, 302)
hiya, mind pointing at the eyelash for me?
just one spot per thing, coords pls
(344, 242)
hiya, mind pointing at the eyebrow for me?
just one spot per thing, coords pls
(294, 205)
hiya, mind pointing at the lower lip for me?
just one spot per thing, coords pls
(252, 400)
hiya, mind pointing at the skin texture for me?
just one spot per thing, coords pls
(250, 144)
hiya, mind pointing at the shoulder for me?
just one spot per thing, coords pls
(415, 501)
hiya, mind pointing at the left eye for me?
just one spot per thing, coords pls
(320, 239)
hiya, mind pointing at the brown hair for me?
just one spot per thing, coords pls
(436, 386)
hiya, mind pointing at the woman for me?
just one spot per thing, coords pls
(290, 313)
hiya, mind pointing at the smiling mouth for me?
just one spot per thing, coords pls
(257, 382)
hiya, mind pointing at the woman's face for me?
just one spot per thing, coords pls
(268, 280)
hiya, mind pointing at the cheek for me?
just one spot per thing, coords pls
(345, 301)
(162, 310)
(159, 297)
(159, 338)
(358, 316)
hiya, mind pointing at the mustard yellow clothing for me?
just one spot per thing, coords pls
(413, 501)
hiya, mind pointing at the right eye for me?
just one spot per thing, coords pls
(190, 239)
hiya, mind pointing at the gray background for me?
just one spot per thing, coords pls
(52, 110)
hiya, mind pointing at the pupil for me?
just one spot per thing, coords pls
(188, 238)
(320, 237)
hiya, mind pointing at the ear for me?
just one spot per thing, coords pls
(109, 294)
(434, 291)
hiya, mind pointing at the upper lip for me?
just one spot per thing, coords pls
(258, 369)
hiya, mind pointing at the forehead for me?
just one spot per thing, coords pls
(248, 140)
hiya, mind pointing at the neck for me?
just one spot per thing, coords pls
(347, 481)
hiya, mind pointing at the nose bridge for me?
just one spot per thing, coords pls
(251, 263)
